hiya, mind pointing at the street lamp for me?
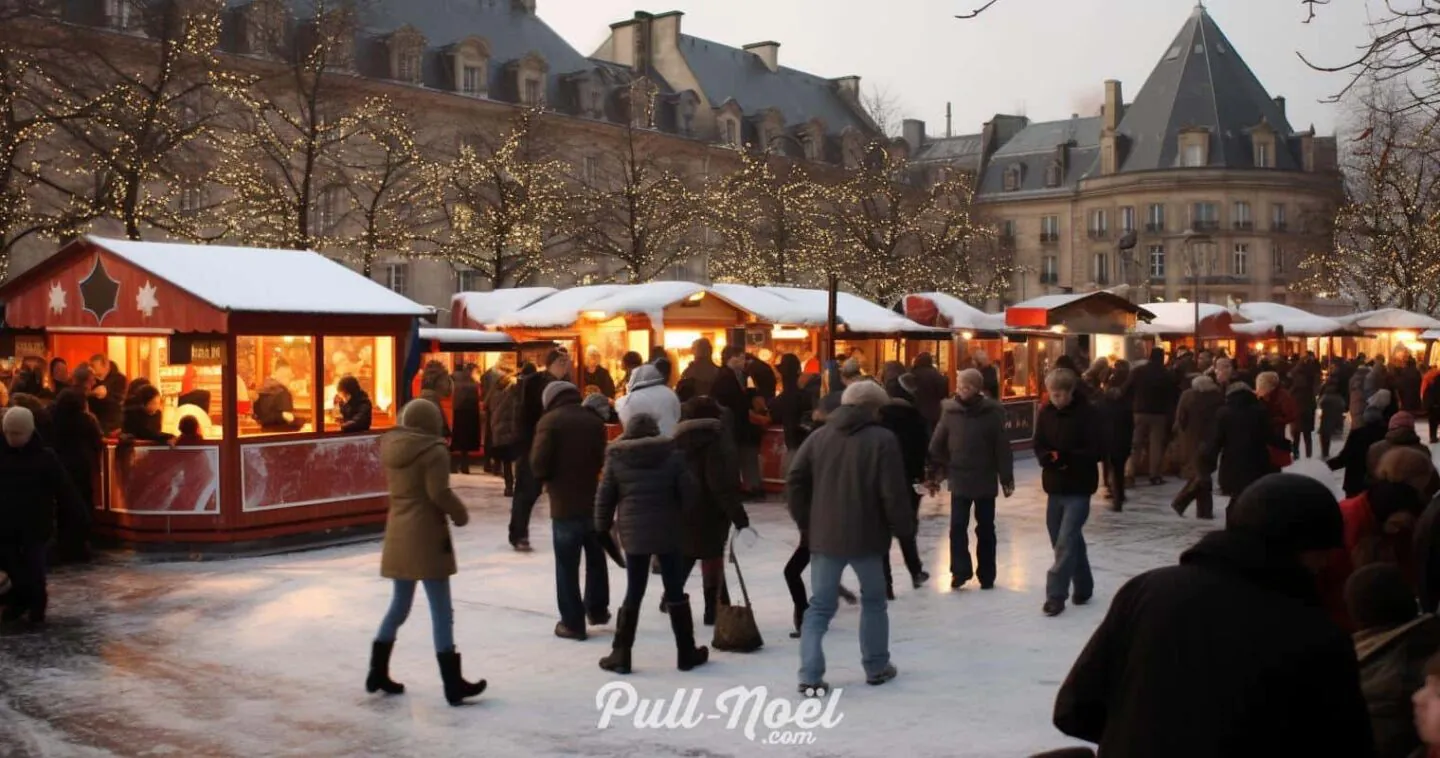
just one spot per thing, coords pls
(1192, 240)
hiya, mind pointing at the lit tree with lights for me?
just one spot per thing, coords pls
(1385, 248)
(768, 218)
(639, 212)
(508, 206)
(283, 160)
(960, 255)
(393, 192)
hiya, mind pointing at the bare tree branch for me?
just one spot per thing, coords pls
(977, 11)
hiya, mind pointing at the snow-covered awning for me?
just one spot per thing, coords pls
(1390, 319)
(484, 309)
(466, 340)
(856, 314)
(1179, 318)
(940, 309)
(601, 302)
(1085, 313)
(1294, 322)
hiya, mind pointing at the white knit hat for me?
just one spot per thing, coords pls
(865, 393)
(18, 422)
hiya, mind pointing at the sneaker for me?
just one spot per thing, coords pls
(1054, 607)
(956, 582)
(884, 676)
(566, 633)
(819, 689)
(919, 580)
(1079, 599)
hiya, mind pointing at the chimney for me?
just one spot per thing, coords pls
(767, 52)
(1114, 105)
(913, 130)
(523, 6)
(666, 30)
(1280, 103)
(949, 121)
(848, 87)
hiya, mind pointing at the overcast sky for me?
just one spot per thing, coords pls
(1044, 58)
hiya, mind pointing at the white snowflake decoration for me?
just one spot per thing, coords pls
(145, 300)
(57, 298)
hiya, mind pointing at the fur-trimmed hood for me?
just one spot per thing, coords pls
(641, 452)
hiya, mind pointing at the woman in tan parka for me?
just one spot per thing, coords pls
(417, 544)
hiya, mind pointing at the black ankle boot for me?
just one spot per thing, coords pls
(683, 624)
(456, 688)
(618, 661)
(799, 620)
(379, 677)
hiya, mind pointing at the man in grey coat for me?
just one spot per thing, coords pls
(847, 493)
(970, 443)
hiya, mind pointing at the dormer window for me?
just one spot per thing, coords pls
(406, 46)
(263, 22)
(1013, 177)
(530, 74)
(1262, 144)
(686, 105)
(1262, 155)
(472, 80)
(469, 60)
(851, 149)
(532, 96)
(118, 14)
(1054, 174)
(1195, 148)
(732, 132)
(407, 67)
(814, 138)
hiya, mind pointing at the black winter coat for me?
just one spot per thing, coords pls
(110, 410)
(568, 455)
(644, 489)
(144, 427)
(970, 443)
(1241, 443)
(1115, 413)
(763, 377)
(465, 417)
(931, 392)
(600, 379)
(79, 445)
(730, 392)
(35, 487)
(792, 410)
(910, 428)
(1407, 386)
(357, 413)
(1354, 456)
(701, 372)
(991, 377)
(715, 468)
(1227, 654)
(532, 405)
(1392, 668)
(1068, 448)
(1154, 389)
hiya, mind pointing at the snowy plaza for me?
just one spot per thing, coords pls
(266, 656)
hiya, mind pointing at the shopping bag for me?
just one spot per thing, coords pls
(735, 627)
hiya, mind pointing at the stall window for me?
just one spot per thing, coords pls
(371, 360)
(275, 384)
(191, 389)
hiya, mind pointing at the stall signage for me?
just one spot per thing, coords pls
(185, 350)
(1020, 421)
(27, 346)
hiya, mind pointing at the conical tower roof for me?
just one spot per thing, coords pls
(1201, 81)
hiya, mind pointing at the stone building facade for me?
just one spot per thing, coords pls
(1222, 195)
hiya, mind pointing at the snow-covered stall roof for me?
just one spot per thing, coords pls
(1433, 334)
(1387, 319)
(960, 314)
(1266, 317)
(1179, 318)
(262, 280)
(483, 309)
(857, 314)
(767, 306)
(559, 309)
(467, 340)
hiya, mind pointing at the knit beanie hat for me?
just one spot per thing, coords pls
(1377, 596)
(865, 393)
(599, 404)
(1402, 420)
(1290, 512)
(18, 422)
(553, 391)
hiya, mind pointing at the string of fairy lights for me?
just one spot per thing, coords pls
(293, 158)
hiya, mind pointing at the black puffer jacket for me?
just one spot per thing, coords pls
(356, 414)
(35, 485)
(1154, 388)
(1354, 456)
(715, 468)
(464, 414)
(1392, 668)
(1241, 443)
(1068, 448)
(644, 489)
(1228, 654)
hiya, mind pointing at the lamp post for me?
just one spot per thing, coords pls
(1192, 239)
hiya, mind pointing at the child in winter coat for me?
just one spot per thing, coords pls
(1332, 416)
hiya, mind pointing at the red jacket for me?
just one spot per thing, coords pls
(1358, 524)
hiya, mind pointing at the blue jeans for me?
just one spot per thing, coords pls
(1065, 516)
(572, 538)
(442, 616)
(522, 504)
(674, 570)
(874, 621)
(960, 566)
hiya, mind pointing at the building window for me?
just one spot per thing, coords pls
(407, 67)
(1204, 217)
(371, 362)
(532, 91)
(1194, 156)
(1007, 230)
(1262, 154)
(1240, 261)
(1277, 218)
(1049, 228)
(1054, 175)
(1277, 259)
(397, 277)
(278, 376)
(592, 169)
(467, 280)
(325, 213)
(1155, 218)
(472, 80)
(1012, 179)
(732, 132)
(192, 198)
(1243, 221)
(1049, 269)
(1157, 261)
(1099, 224)
(117, 14)
(1102, 269)
(1127, 219)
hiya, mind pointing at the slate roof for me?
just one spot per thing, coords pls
(963, 151)
(726, 72)
(1034, 149)
(1202, 81)
(511, 34)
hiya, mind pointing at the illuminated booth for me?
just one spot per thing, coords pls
(251, 343)
(1174, 326)
(1394, 333)
(1284, 329)
(1089, 325)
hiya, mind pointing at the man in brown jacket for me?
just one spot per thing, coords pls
(567, 456)
(847, 493)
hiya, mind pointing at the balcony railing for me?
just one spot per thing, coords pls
(1244, 226)
(1279, 226)
(1049, 238)
(1206, 226)
(1099, 234)
(1155, 227)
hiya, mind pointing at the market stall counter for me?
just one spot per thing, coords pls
(252, 343)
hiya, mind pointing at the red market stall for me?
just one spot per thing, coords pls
(1174, 326)
(252, 343)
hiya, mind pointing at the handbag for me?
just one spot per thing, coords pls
(735, 627)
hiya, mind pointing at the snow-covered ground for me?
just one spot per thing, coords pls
(266, 657)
